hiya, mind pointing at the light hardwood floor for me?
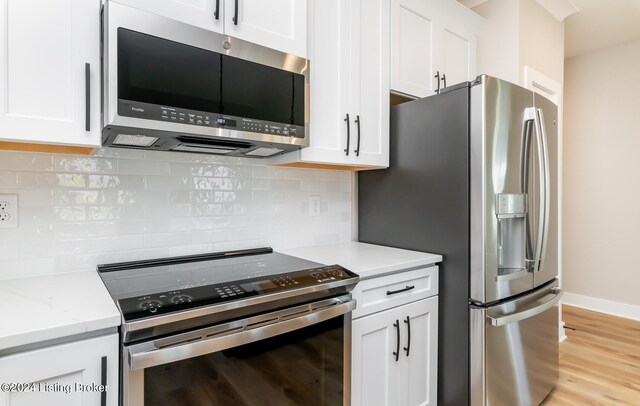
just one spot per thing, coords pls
(599, 361)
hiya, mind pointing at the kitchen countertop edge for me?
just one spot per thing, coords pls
(38, 309)
(367, 260)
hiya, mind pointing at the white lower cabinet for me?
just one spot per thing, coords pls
(62, 375)
(394, 356)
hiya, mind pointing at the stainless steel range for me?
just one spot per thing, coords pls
(242, 327)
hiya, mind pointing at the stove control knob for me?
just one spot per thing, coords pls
(151, 305)
(179, 299)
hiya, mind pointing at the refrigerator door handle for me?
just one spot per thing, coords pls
(525, 156)
(546, 186)
(556, 295)
(543, 189)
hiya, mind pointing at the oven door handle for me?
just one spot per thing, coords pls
(146, 358)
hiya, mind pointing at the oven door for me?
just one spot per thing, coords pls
(296, 356)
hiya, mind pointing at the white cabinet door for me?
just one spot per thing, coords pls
(277, 24)
(370, 82)
(429, 38)
(376, 377)
(330, 96)
(207, 14)
(412, 47)
(60, 374)
(418, 370)
(349, 54)
(49, 64)
(458, 29)
(374, 368)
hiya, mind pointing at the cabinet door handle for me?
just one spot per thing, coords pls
(87, 97)
(216, 14)
(397, 352)
(103, 382)
(393, 292)
(408, 347)
(437, 76)
(346, 150)
(357, 151)
(444, 79)
(235, 15)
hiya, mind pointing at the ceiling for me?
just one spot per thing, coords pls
(597, 24)
(601, 24)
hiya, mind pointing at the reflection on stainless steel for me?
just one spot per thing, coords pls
(498, 112)
(520, 354)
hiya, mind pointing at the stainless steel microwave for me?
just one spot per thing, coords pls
(171, 86)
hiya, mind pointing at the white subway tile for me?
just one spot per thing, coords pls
(115, 181)
(8, 179)
(10, 160)
(120, 205)
(35, 197)
(138, 167)
(84, 164)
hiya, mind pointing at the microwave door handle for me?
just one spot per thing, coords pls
(525, 161)
(87, 97)
(546, 187)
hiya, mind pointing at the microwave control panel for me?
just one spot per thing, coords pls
(127, 108)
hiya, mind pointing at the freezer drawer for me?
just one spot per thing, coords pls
(514, 349)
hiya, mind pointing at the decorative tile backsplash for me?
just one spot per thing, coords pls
(118, 205)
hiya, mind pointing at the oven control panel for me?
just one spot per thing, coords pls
(191, 297)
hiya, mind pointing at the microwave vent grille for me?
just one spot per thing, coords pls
(132, 140)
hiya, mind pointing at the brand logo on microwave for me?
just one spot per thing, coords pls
(138, 109)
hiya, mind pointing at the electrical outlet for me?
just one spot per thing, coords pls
(8, 211)
(314, 206)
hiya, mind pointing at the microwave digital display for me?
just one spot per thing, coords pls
(184, 80)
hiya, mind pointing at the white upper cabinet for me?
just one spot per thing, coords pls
(433, 45)
(276, 24)
(50, 71)
(208, 14)
(412, 47)
(349, 107)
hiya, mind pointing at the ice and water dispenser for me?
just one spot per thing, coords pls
(511, 211)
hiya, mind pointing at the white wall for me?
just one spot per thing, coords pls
(541, 41)
(519, 33)
(77, 212)
(498, 43)
(601, 178)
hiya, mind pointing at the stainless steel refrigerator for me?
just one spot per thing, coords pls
(473, 176)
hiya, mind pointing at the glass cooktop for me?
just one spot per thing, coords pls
(153, 287)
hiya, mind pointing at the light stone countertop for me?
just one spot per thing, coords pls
(49, 307)
(367, 260)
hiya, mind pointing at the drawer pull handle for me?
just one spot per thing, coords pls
(393, 292)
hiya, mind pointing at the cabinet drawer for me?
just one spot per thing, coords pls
(385, 292)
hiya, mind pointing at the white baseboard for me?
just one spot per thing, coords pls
(619, 309)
